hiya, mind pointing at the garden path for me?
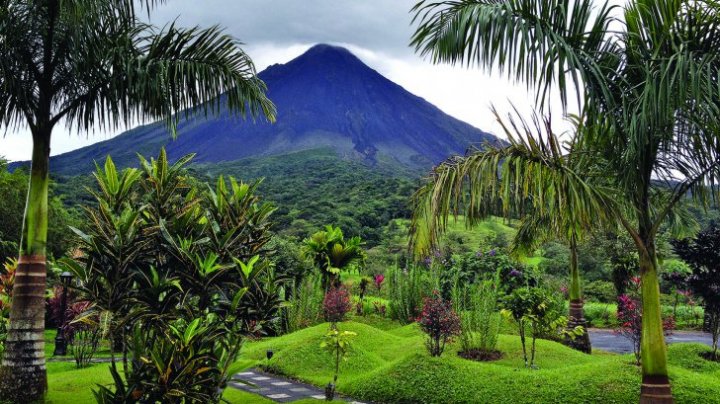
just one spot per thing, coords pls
(280, 389)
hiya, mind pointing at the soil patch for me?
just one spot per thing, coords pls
(481, 355)
(709, 356)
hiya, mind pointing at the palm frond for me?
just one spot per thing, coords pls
(535, 173)
(539, 42)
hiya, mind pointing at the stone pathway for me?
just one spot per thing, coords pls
(608, 341)
(280, 389)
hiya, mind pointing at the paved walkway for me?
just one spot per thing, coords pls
(608, 341)
(280, 389)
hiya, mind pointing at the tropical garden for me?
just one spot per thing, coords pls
(483, 282)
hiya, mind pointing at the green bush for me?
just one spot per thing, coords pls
(538, 310)
(407, 289)
(601, 315)
(159, 248)
(600, 292)
(480, 319)
(304, 307)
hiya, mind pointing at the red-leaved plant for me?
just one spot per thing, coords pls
(54, 307)
(336, 304)
(440, 322)
(379, 279)
(629, 315)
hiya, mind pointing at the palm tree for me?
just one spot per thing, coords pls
(549, 185)
(331, 253)
(94, 64)
(648, 92)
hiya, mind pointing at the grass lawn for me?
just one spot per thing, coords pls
(391, 365)
(69, 385)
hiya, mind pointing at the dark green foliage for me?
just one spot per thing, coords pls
(13, 188)
(702, 253)
(535, 309)
(315, 188)
(287, 261)
(407, 289)
(331, 253)
(599, 291)
(176, 267)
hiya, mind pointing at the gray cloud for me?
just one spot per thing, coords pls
(381, 25)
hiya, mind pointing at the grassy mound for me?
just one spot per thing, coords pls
(393, 366)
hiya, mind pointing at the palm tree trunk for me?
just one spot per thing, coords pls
(23, 378)
(576, 317)
(655, 382)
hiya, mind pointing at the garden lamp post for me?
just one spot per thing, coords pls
(60, 343)
(269, 354)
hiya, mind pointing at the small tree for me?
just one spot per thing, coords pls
(331, 253)
(536, 309)
(702, 253)
(440, 322)
(338, 344)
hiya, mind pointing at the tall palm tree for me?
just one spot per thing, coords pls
(556, 190)
(647, 86)
(94, 64)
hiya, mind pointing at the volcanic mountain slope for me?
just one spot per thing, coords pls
(326, 97)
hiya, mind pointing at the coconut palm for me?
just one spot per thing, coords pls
(331, 253)
(92, 64)
(646, 83)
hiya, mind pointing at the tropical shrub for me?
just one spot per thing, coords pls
(539, 311)
(159, 247)
(380, 308)
(600, 315)
(440, 322)
(303, 309)
(702, 254)
(83, 330)
(336, 305)
(629, 314)
(189, 361)
(599, 291)
(365, 282)
(331, 253)
(7, 280)
(379, 280)
(406, 292)
(480, 322)
(337, 343)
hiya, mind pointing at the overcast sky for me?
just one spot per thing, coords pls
(275, 31)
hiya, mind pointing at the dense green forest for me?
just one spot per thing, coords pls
(310, 189)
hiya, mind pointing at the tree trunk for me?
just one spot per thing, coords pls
(23, 378)
(576, 317)
(653, 352)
